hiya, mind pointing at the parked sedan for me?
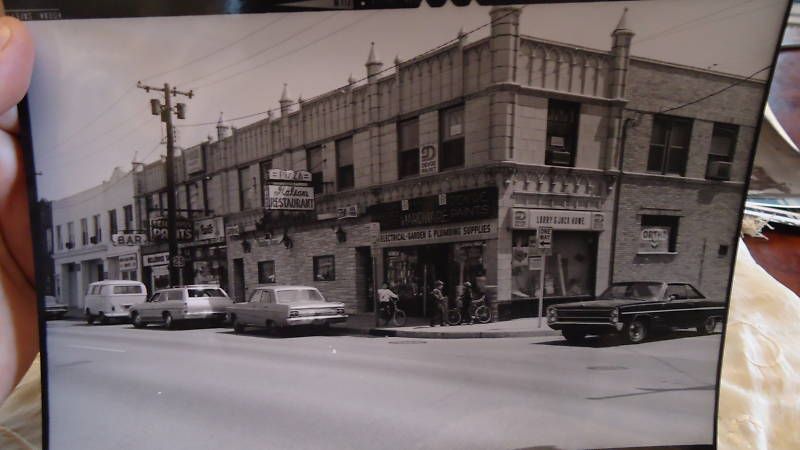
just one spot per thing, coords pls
(53, 309)
(188, 303)
(634, 309)
(285, 306)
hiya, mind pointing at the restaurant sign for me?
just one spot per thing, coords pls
(128, 239)
(289, 175)
(287, 197)
(533, 219)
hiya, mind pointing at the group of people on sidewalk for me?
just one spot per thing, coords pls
(441, 303)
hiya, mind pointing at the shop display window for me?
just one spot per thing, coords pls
(569, 271)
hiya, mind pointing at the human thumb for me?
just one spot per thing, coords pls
(16, 63)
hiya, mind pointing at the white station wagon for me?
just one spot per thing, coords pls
(112, 299)
(195, 302)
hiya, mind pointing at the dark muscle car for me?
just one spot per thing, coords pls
(634, 309)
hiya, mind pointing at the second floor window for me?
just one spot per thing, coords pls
(84, 232)
(720, 156)
(98, 232)
(70, 234)
(408, 147)
(451, 133)
(244, 188)
(112, 221)
(128, 213)
(345, 173)
(669, 145)
(562, 133)
(59, 239)
(314, 166)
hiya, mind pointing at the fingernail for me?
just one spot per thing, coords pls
(5, 35)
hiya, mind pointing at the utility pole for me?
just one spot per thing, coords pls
(165, 111)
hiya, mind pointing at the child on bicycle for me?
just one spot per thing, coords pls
(385, 297)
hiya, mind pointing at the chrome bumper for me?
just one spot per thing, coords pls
(315, 320)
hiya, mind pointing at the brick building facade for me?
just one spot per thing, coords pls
(449, 163)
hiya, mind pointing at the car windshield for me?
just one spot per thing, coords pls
(632, 291)
(206, 292)
(294, 296)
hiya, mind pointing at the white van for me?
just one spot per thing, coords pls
(113, 299)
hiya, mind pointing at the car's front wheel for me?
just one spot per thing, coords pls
(89, 317)
(573, 336)
(169, 322)
(707, 327)
(636, 331)
(137, 321)
(238, 327)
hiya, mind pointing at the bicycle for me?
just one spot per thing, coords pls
(392, 313)
(454, 314)
(479, 310)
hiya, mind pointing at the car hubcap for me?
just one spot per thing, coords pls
(635, 332)
(710, 324)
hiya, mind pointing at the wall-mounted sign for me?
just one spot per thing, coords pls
(446, 233)
(209, 229)
(347, 212)
(159, 231)
(461, 206)
(428, 159)
(298, 198)
(442, 199)
(156, 259)
(128, 262)
(132, 239)
(535, 262)
(654, 240)
(545, 237)
(289, 175)
(532, 219)
(193, 160)
(232, 230)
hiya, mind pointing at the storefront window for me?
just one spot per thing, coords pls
(324, 268)
(266, 272)
(569, 269)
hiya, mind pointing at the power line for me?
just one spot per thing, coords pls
(689, 22)
(82, 156)
(260, 52)
(387, 69)
(719, 91)
(338, 30)
(215, 52)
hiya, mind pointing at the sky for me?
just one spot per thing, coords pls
(88, 117)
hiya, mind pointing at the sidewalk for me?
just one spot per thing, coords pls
(416, 327)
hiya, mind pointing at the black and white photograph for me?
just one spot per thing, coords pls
(477, 227)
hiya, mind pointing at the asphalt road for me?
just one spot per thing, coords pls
(115, 387)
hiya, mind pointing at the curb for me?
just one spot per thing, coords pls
(424, 334)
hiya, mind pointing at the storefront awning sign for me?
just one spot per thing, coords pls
(347, 212)
(128, 239)
(533, 219)
(438, 234)
(127, 262)
(156, 259)
(159, 231)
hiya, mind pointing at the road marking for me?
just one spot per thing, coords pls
(102, 349)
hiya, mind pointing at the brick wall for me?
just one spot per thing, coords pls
(296, 265)
(708, 214)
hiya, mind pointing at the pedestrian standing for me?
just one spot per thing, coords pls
(466, 303)
(440, 304)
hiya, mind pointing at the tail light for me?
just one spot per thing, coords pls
(339, 310)
(294, 313)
